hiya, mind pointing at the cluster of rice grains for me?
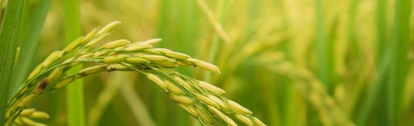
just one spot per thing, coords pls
(200, 99)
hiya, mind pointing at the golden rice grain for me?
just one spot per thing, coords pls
(257, 122)
(115, 59)
(182, 99)
(52, 58)
(39, 115)
(173, 88)
(109, 27)
(116, 43)
(137, 60)
(190, 109)
(155, 58)
(211, 88)
(157, 80)
(90, 35)
(93, 69)
(242, 118)
(204, 116)
(176, 55)
(27, 112)
(73, 45)
(238, 108)
(206, 100)
(138, 47)
(205, 65)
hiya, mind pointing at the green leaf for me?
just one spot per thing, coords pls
(9, 36)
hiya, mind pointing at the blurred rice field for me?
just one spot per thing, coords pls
(291, 62)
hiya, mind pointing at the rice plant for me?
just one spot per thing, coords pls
(290, 62)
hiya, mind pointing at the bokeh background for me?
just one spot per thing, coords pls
(292, 62)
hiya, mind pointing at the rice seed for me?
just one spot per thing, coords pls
(238, 108)
(257, 122)
(218, 113)
(242, 118)
(190, 110)
(117, 67)
(183, 63)
(211, 88)
(64, 82)
(173, 88)
(204, 116)
(230, 122)
(39, 124)
(93, 69)
(22, 90)
(88, 55)
(116, 43)
(205, 65)
(137, 60)
(157, 50)
(167, 71)
(27, 100)
(168, 64)
(39, 115)
(152, 41)
(157, 80)
(16, 57)
(55, 74)
(41, 86)
(219, 102)
(176, 55)
(90, 35)
(94, 41)
(155, 58)
(36, 71)
(27, 112)
(115, 59)
(18, 121)
(137, 47)
(182, 99)
(27, 121)
(52, 58)
(100, 53)
(109, 27)
(205, 100)
(73, 45)
(184, 83)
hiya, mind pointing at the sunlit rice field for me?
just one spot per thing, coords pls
(289, 62)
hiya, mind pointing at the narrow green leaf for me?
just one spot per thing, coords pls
(9, 32)
(30, 43)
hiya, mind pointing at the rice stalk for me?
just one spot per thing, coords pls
(121, 55)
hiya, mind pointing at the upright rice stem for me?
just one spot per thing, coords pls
(322, 46)
(76, 114)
